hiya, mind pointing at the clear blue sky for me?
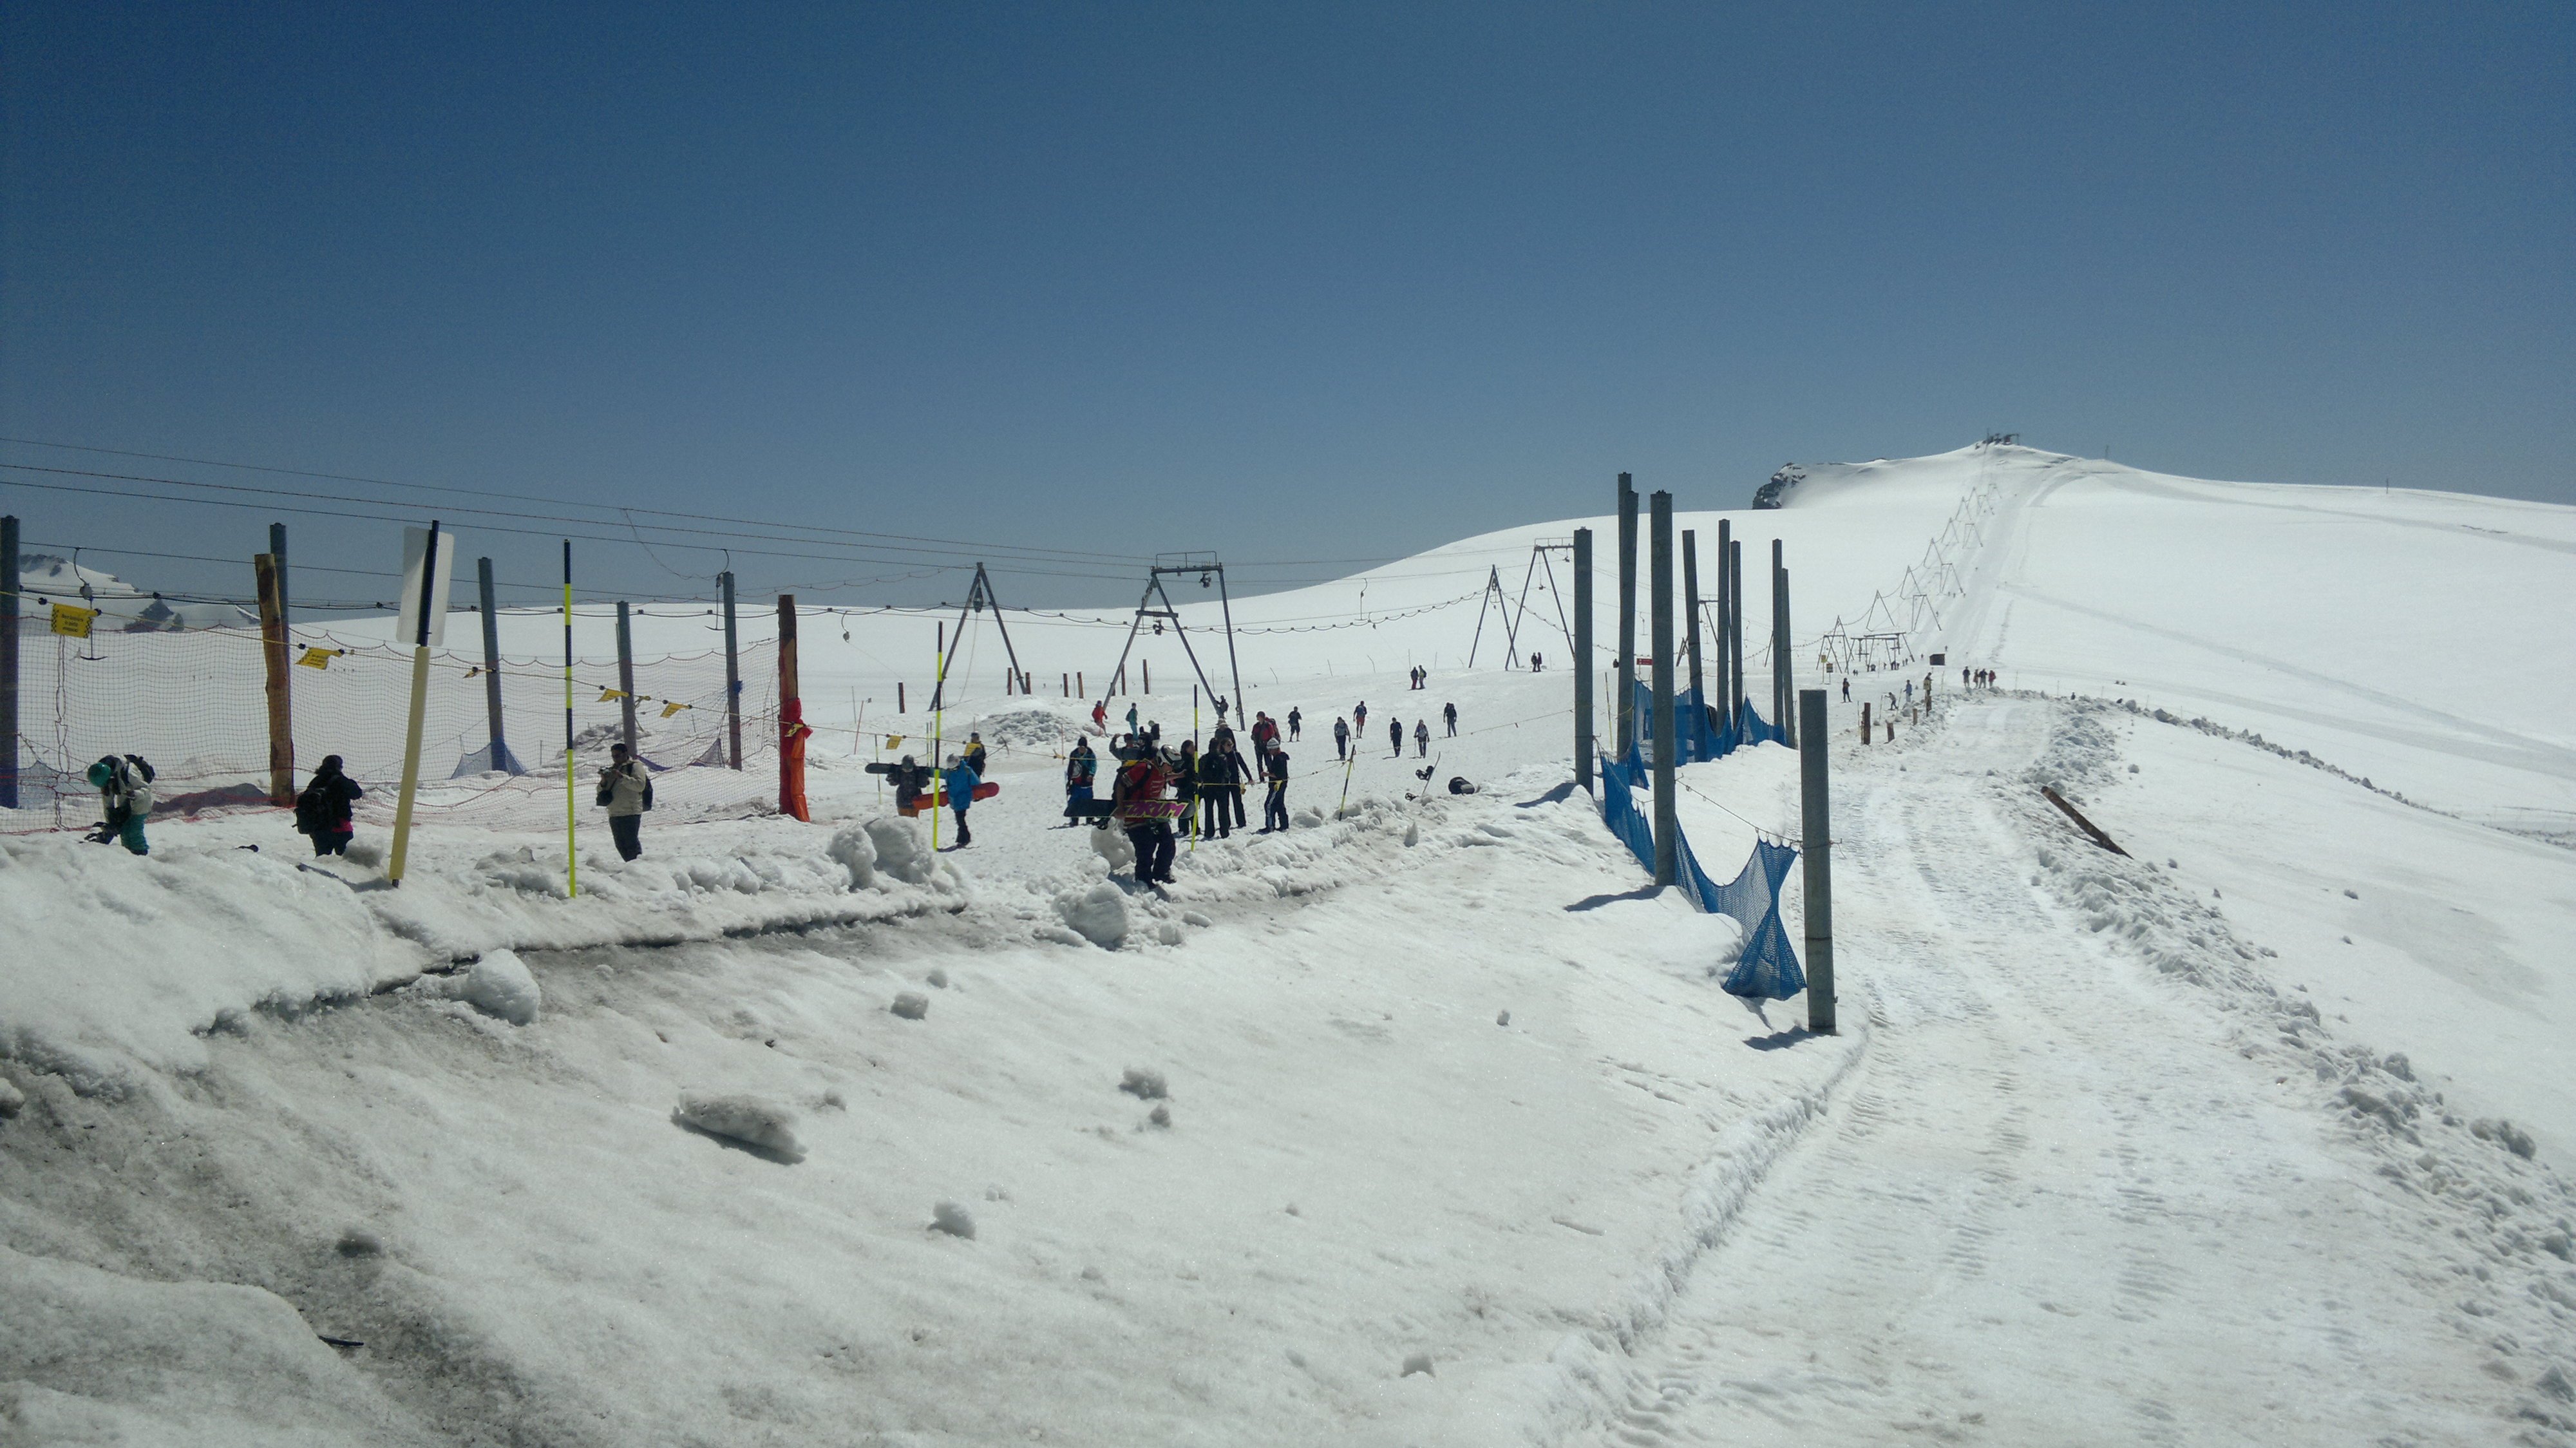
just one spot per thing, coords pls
(1295, 283)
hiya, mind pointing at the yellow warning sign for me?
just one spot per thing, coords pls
(73, 621)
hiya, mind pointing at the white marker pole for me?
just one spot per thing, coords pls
(424, 611)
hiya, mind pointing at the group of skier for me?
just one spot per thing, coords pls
(1160, 796)
(1976, 678)
(1344, 728)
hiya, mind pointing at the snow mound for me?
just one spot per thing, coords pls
(1027, 728)
(1097, 914)
(857, 853)
(912, 1005)
(100, 1358)
(1144, 1083)
(752, 1120)
(12, 1100)
(500, 985)
(1116, 848)
(953, 1219)
(902, 848)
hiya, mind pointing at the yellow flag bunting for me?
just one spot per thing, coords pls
(318, 658)
(673, 707)
(72, 620)
(610, 696)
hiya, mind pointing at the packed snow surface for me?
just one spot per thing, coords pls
(1424, 1122)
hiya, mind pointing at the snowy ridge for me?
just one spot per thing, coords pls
(2507, 1222)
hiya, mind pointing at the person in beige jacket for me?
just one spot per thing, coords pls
(627, 791)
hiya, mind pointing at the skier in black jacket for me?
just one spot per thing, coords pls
(1395, 736)
(1221, 777)
(1274, 804)
(323, 811)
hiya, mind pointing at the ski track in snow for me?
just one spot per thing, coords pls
(2065, 1200)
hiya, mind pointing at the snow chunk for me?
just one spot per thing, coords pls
(857, 854)
(1417, 1363)
(499, 985)
(752, 1120)
(953, 1219)
(1097, 914)
(911, 1005)
(902, 848)
(1144, 1084)
(12, 1100)
(1114, 846)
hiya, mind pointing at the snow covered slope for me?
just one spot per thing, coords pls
(1423, 1125)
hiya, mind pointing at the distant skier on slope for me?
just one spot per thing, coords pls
(1341, 738)
(1395, 737)
(1449, 712)
(1296, 725)
(1422, 738)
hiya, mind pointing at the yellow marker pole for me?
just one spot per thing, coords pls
(572, 783)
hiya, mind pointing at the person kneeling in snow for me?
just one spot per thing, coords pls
(627, 792)
(125, 797)
(323, 811)
(959, 780)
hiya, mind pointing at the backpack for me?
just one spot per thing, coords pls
(134, 781)
(308, 811)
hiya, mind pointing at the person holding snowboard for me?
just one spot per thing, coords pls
(1081, 767)
(627, 792)
(1140, 783)
(323, 811)
(959, 781)
(1274, 804)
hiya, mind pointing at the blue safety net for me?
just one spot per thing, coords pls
(1767, 968)
(1702, 738)
(493, 756)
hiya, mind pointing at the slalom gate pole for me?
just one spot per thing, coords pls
(281, 708)
(572, 780)
(1668, 827)
(939, 728)
(491, 612)
(733, 677)
(1623, 702)
(1583, 745)
(9, 662)
(625, 680)
(1817, 836)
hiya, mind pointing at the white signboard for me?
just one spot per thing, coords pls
(415, 556)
